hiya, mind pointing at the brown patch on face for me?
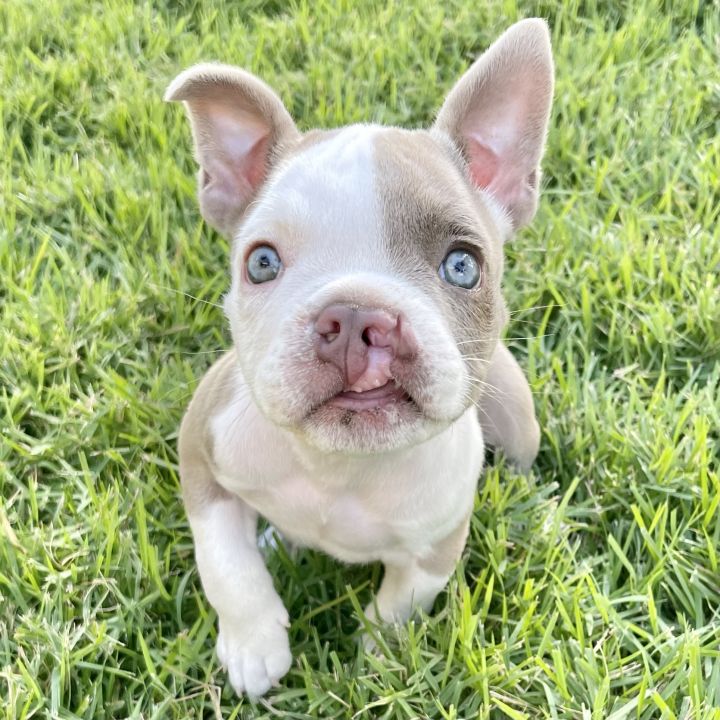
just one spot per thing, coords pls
(429, 207)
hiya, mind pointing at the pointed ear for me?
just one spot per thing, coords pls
(239, 124)
(497, 114)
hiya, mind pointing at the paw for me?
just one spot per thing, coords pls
(379, 620)
(381, 615)
(370, 644)
(256, 654)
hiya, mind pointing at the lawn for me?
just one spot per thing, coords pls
(589, 588)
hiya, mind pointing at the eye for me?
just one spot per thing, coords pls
(263, 264)
(461, 268)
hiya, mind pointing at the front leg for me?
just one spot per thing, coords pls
(252, 634)
(252, 621)
(416, 584)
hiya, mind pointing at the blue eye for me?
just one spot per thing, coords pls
(461, 268)
(263, 264)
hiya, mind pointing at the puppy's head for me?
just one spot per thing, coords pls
(366, 261)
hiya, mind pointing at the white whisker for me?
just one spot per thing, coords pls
(181, 292)
(535, 307)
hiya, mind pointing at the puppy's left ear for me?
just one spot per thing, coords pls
(240, 126)
(498, 113)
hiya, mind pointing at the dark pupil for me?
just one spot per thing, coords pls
(460, 267)
(264, 261)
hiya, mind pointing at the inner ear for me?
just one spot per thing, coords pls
(239, 125)
(483, 163)
(257, 161)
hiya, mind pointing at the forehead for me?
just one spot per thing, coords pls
(368, 187)
(425, 195)
(322, 190)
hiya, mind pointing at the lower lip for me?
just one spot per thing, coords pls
(389, 394)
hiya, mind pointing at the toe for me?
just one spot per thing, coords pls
(221, 651)
(278, 664)
(236, 675)
(257, 682)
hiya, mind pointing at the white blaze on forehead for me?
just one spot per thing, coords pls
(325, 195)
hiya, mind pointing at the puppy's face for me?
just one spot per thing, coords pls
(362, 337)
(366, 262)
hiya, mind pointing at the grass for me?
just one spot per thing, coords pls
(589, 589)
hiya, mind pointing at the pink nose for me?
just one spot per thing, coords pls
(361, 343)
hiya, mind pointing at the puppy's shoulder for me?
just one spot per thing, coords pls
(213, 394)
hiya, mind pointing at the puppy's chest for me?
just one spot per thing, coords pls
(356, 509)
(339, 521)
(352, 510)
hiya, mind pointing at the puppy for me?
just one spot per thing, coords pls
(366, 311)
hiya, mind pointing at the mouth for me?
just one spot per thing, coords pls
(378, 398)
(369, 421)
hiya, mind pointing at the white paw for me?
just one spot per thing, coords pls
(367, 639)
(256, 654)
(370, 645)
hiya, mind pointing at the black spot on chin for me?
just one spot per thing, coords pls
(347, 417)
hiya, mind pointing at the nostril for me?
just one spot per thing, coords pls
(332, 332)
(366, 336)
(328, 329)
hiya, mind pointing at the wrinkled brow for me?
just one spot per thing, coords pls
(438, 227)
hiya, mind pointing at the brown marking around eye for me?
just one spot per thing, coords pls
(427, 203)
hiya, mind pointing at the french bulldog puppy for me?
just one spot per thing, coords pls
(366, 311)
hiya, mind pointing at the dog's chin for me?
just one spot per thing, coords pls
(378, 420)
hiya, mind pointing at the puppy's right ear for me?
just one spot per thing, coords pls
(238, 124)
